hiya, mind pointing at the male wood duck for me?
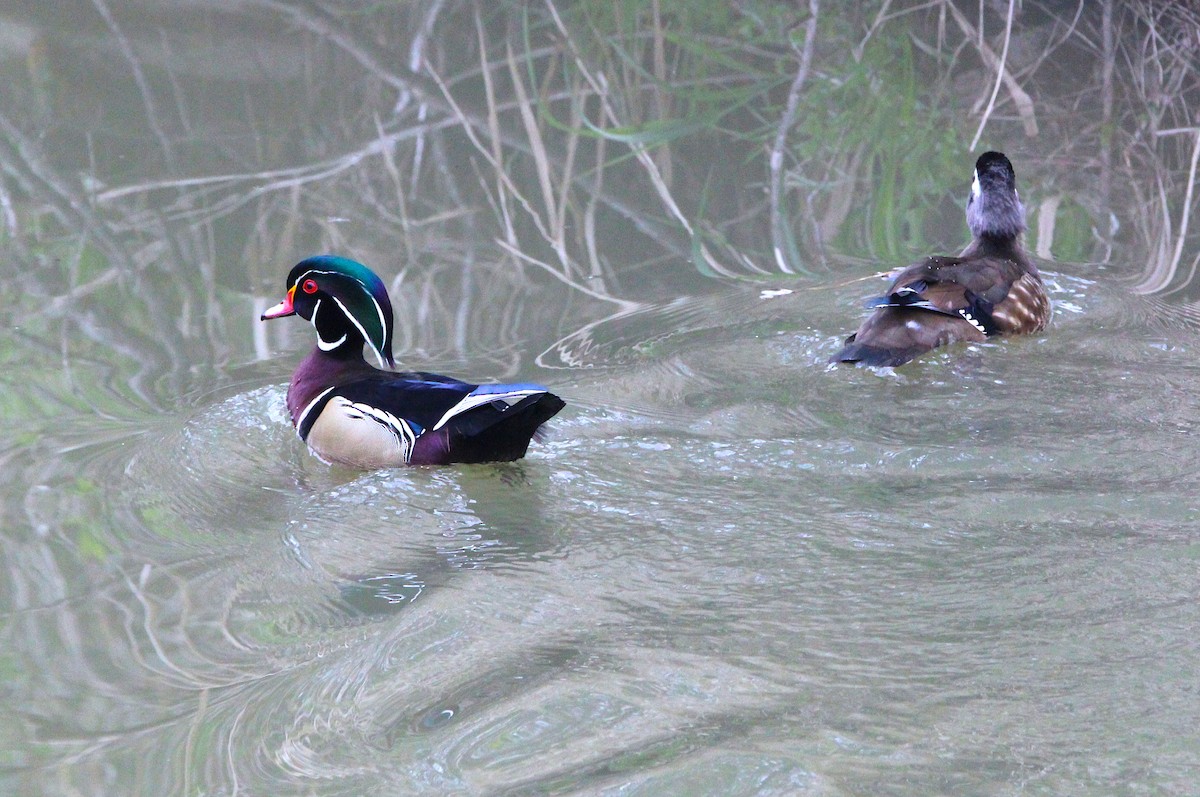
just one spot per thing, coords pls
(351, 413)
(992, 288)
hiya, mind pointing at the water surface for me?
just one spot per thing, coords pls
(731, 568)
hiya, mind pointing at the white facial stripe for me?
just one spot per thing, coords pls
(382, 325)
(361, 330)
(382, 321)
(975, 189)
(324, 345)
(330, 346)
(348, 314)
(353, 320)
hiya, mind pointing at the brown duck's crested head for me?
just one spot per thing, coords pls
(994, 209)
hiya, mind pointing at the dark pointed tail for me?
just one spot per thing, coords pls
(508, 437)
(878, 356)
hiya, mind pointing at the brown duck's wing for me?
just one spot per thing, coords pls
(941, 300)
(1006, 294)
(974, 289)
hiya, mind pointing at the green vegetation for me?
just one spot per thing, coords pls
(616, 151)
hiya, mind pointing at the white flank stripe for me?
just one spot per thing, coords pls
(397, 426)
(471, 401)
(304, 412)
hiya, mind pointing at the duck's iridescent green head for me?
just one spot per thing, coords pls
(345, 301)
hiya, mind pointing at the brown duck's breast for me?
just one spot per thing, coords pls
(1025, 309)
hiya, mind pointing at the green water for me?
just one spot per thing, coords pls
(730, 568)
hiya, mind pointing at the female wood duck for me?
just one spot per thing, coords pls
(353, 414)
(992, 288)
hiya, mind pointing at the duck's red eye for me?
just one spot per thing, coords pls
(309, 286)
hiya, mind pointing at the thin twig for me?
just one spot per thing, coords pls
(1106, 103)
(883, 16)
(540, 160)
(139, 77)
(493, 119)
(497, 165)
(661, 98)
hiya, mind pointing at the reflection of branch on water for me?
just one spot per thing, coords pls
(1165, 78)
(781, 237)
(431, 89)
(205, 204)
(608, 157)
(640, 152)
(139, 77)
(21, 159)
(1162, 268)
(522, 256)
